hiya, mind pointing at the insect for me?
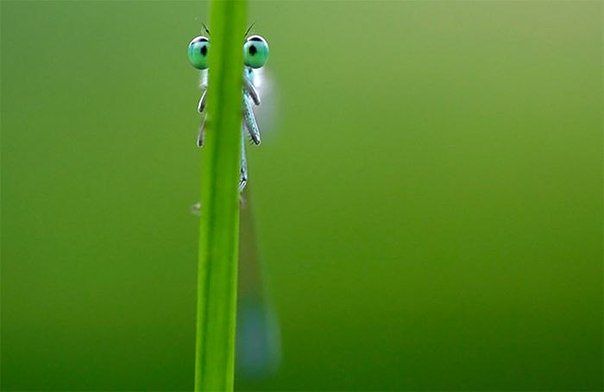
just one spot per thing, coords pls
(255, 54)
(258, 342)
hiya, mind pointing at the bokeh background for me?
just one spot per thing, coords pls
(427, 197)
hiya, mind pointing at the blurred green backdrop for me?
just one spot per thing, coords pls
(428, 194)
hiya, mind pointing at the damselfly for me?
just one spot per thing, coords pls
(255, 54)
(258, 342)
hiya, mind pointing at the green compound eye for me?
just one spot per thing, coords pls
(255, 51)
(198, 52)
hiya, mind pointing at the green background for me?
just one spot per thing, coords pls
(428, 194)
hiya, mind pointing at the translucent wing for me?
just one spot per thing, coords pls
(266, 111)
(258, 337)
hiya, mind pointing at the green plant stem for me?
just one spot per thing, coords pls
(219, 227)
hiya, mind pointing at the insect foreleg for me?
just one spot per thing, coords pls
(250, 120)
(201, 135)
(243, 169)
(251, 90)
(202, 102)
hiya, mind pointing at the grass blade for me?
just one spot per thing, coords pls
(219, 227)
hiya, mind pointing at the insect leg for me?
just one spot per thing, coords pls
(243, 174)
(202, 102)
(250, 120)
(201, 134)
(251, 90)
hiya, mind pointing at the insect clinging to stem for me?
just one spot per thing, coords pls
(255, 55)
